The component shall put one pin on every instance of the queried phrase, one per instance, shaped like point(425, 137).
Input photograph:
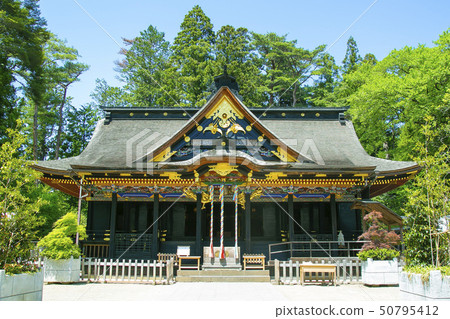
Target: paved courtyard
point(217, 292)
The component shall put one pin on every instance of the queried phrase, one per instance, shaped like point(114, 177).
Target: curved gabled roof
point(319, 140)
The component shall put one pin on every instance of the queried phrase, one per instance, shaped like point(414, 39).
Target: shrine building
point(223, 175)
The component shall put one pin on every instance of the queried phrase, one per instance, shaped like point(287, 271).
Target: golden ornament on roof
point(213, 129)
point(235, 128)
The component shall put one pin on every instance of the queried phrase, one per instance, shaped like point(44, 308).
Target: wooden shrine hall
point(223, 178)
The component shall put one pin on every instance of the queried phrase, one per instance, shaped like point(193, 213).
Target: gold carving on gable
point(223, 169)
point(224, 115)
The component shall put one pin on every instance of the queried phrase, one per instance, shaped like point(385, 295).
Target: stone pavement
point(217, 292)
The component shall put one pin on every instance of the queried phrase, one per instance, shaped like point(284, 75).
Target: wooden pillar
point(198, 226)
point(112, 226)
point(291, 216)
point(90, 216)
point(333, 216)
point(248, 210)
point(155, 239)
point(364, 224)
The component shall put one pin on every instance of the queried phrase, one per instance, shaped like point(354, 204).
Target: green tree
point(59, 244)
point(143, 67)
point(18, 218)
point(286, 68)
point(79, 127)
point(192, 60)
point(429, 203)
point(233, 49)
point(352, 58)
point(62, 70)
point(105, 95)
point(392, 98)
point(22, 35)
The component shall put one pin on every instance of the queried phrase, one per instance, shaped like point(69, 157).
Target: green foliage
point(79, 126)
point(285, 68)
point(143, 66)
point(234, 49)
point(352, 57)
point(389, 100)
point(58, 244)
point(378, 254)
point(428, 202)
point(22, 34)
point(192, 59)
point(424, 271)
point(18, 218)
point(55, 205)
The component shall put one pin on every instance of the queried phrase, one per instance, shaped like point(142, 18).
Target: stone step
point(223, 272)
point(223, 275)
point(222, 279)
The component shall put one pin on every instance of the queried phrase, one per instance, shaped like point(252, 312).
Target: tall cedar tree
point(192, 59)
point(143, 67)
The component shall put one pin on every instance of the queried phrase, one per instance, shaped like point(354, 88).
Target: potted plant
point(426, 274)
point(379, 265)
point(62, 255)
point(20, 278)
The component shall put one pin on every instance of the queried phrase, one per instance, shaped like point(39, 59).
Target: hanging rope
point(211, 196)
point(235, 199)
point(222, 249)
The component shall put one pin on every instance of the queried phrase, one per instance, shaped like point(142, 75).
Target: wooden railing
point(95, 250)
point(288, 272)
point(329, 248)
point(110, 270)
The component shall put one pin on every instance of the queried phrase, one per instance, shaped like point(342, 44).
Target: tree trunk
point(60, 124)
point(35, 129)
point(294, 98)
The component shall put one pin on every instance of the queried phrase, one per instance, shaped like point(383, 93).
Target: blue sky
point(388, 25)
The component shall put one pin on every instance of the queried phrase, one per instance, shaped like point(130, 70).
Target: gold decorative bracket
point(171, 175)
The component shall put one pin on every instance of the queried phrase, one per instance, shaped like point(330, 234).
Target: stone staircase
point(223, 275)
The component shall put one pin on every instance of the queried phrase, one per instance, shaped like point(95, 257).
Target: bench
point(164, 258)
point(316, 268)
point(189, 266)
point(259, 261)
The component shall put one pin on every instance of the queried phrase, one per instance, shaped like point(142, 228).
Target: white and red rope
point(235, 199)
point(211, 234)
point(222, 248)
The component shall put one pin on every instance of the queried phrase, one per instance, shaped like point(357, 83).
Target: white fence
point(136, 271)
point(288, 272)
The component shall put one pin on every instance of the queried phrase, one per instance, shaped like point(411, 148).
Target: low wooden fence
point(314, 248)
point(133, 271)
point(95, 250)
point(288, 272)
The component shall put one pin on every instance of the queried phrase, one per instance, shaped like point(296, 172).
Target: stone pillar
point(198, 226)
point(112, 226)
point(333, 216)
point(248, 210)
point(291, 216)
point(155, 239)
